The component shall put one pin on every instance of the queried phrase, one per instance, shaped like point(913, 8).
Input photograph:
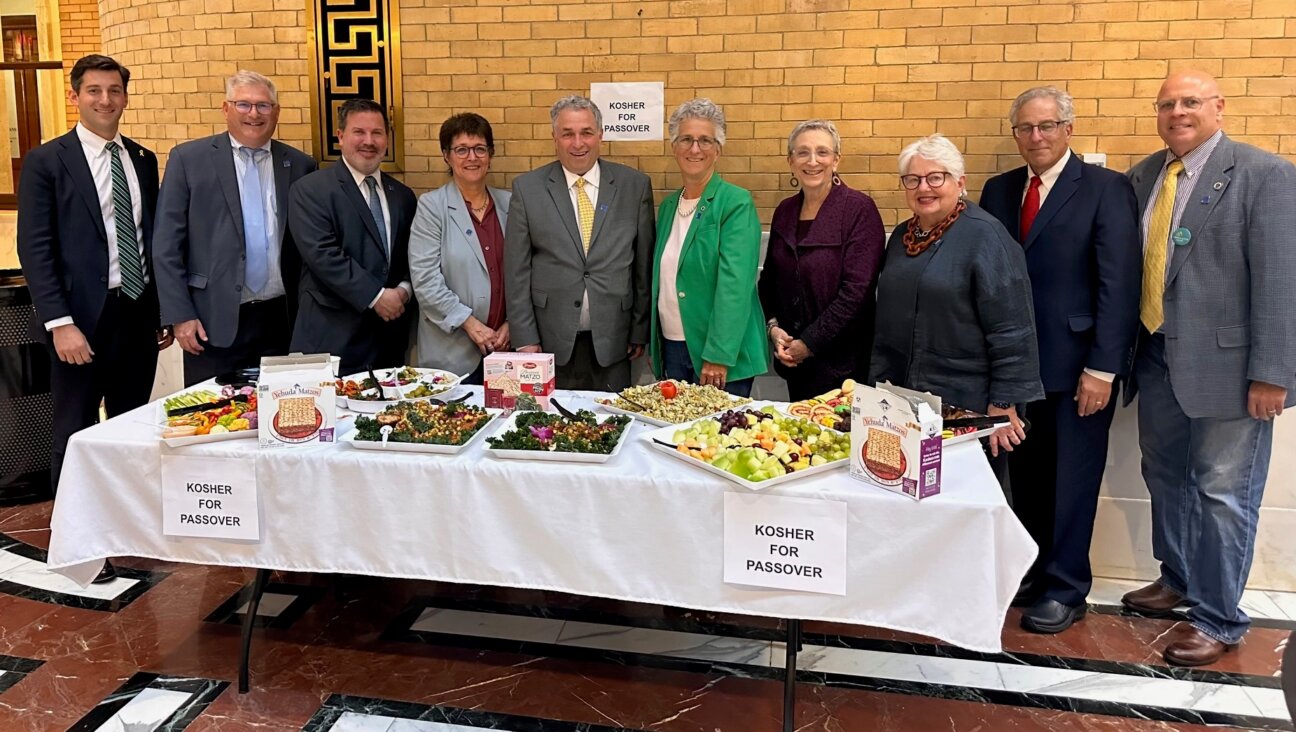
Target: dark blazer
point(1086, 268)
point(823, 290)
point(345, 265)
point(62, 241)
point(198, 244)
point(956, 320)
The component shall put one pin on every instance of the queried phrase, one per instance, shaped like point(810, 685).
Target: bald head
point(1190, 109)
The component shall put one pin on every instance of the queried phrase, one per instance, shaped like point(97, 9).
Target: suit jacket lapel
point(1063, 188)
point(460, 218)
point(223, 163)
point(74, 160)
point(1145, 177)
point(352, 193)
point(563, 205)
point(1212, 182)
point(145, 178)
point(1011, 194)
point(704, 210)
point(607, 195)
point(282, 165)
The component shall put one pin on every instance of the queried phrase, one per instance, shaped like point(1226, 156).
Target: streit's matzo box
point(507, 376)
point(295, 400)
point(896, 439)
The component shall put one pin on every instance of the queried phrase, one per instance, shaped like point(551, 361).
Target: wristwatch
point(1001, 405)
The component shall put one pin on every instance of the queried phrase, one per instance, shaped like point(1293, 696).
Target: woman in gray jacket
point(456, 255)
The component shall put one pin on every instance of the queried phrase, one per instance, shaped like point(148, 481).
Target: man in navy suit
point(351, 224)
point(1079, 226)
point(227, 272)
point(85, 214)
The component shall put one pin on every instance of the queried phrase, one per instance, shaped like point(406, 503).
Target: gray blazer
point(198, 237)
point(448, 271)
point(546, 270)
point(1229, 300)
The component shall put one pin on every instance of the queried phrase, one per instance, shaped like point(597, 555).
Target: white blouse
point(668, 311)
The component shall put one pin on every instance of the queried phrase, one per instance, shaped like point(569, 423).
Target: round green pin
point(1181, 236)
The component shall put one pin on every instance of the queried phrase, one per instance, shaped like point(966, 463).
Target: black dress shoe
point(107, 574)
point(1051, 616)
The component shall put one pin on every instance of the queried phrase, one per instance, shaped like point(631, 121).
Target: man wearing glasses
point(1078, 225)
point(227, 269)
point(1216, 360)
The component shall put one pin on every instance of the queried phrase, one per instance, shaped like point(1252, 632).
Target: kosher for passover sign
point(631, 110)
point(210, 497)
point(785, 543)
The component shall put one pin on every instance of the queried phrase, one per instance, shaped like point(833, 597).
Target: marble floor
point(157, 649)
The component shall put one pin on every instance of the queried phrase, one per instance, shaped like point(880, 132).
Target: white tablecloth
point(643, 527)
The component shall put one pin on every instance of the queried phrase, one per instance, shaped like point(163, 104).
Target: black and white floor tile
point(23, 573)
point(925, 669)
point(281, 605)
point(151, 703)
point(14, 669)
point(1266, 609)
point(357, 714)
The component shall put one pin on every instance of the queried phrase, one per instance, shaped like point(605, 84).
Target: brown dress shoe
point(1195, 648)
point(1155, 598)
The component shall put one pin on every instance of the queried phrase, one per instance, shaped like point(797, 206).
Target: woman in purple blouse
point(821, 269)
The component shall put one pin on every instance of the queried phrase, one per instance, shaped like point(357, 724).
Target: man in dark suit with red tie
point(85, 213)
point(1079, 226)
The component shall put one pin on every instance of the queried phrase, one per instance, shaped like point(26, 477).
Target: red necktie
point(1030, 207)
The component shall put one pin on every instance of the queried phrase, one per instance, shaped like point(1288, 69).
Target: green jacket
point(716, 281)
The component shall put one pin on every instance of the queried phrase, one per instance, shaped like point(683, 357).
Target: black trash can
point(26, 406)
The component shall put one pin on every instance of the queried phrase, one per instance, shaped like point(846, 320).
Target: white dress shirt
point(387, 222)
point(270, 206)
point(96, 154)
point(591, 190)
point(668, 311)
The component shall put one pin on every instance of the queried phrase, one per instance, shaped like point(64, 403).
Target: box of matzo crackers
point(295, 400)
point(508, 376)
point(896, 439)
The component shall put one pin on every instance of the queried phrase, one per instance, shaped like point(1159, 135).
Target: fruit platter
point(831, 409)
point(756, 448)
point(420, 426)
point(210, 415)
point(584, 437)
point(670, 402)
point(364, 393)
point(964, 425)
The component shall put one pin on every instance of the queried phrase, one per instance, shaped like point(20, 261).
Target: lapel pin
point(287, 163)
point(1219, 186)
point(469, 232)
point(603, 208)
point(1205, 200)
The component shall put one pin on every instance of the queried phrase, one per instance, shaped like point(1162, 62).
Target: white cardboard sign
point(209, 497)
point(785, 543)
point(631, 110)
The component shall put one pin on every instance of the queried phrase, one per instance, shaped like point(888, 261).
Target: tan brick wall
point(80, 35)
point(885, 70)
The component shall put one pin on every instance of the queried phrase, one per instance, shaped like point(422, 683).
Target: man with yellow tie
point(578, 256)
point(1216, 361)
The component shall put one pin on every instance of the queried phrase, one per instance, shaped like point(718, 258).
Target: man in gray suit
point(1216, 361)
point(578, 256)
point(227, 270)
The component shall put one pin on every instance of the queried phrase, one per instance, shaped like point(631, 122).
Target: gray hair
point(815, 124)
point(936, 148)
point(1065, 105)
point(243, 77)
point(700, 108)
point(575, 101)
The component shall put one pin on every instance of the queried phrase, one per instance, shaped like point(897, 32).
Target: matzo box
point(295, 400)
point(506, 376)
point(896, 439)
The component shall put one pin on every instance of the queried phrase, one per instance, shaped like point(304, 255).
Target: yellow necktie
point(1151, 311)
point(585, 212)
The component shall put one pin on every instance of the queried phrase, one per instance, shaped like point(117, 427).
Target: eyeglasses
point(1045, 128)
point(705, 144)
point(805, 154)
point(934, 180)
point(462, 151)
point(1166, 106)
point(245, 107)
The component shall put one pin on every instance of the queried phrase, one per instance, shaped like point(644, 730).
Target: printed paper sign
point(785, 543)
point(209, 497)
point(632, 110)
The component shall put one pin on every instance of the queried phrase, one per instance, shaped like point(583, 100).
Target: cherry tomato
point(668, 390)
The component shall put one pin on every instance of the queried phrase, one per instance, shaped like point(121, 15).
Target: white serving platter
point(984, 432)
point(394, 394)
point(200, 439)
point(390, 446)
point(554, 455)
point(735, 403)
point(663, 440)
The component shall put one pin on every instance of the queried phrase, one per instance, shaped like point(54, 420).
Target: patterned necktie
point(128, 255)
point(1151, 310)
point(256, 270)
point(375, 209)
point(585, 212)
point(1030, 207)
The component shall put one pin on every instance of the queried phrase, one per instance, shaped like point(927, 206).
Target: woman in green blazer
point(707, 325)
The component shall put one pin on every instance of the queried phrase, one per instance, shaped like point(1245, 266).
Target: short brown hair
point(466, 123)
point(352, 106)
point(97, 62)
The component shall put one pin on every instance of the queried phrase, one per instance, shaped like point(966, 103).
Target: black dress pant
point(1055, 475)
point(120, 373)
point(582, 371)
point(263, 330)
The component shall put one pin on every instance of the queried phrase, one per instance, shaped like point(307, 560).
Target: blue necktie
point(375, 209)
point(256, 271)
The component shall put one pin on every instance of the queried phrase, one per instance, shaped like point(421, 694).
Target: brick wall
point(885, 70)
point(80, 35)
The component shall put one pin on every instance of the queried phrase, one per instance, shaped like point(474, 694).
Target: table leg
point(249, 621)
point(789, 675)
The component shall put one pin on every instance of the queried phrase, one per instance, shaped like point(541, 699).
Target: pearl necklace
point(685, 214)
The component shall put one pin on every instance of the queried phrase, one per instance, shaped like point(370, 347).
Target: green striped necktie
point(128, 255)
